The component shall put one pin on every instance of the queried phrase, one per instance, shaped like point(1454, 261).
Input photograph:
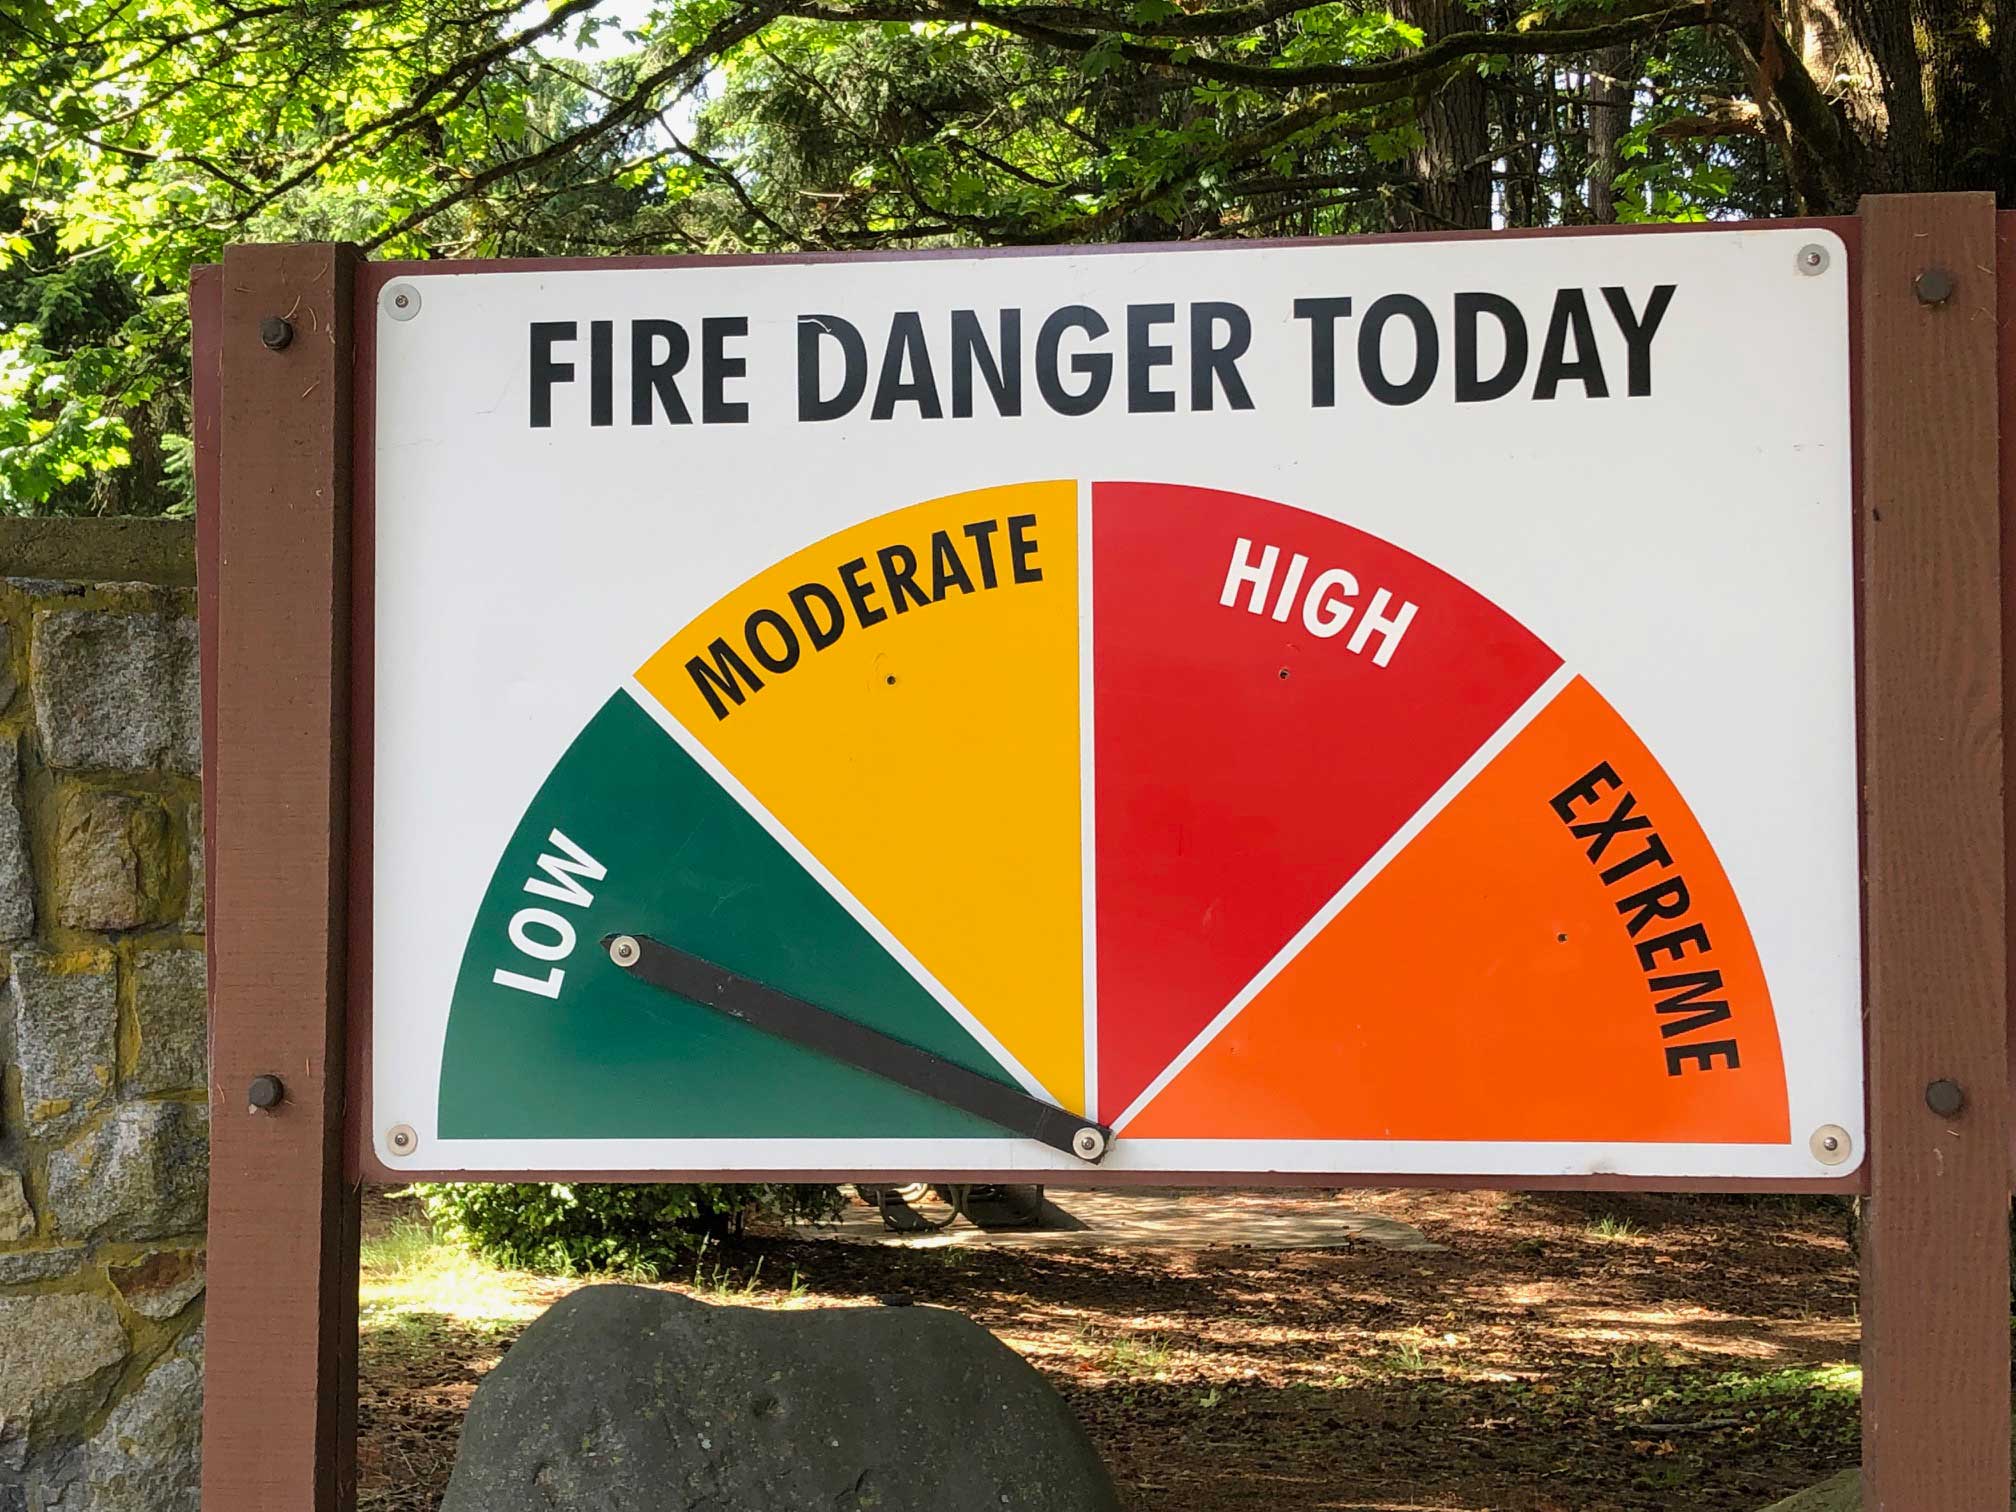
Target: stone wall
point(104, 1118)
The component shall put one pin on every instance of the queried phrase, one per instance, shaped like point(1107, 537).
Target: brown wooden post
point(1935, 1245)
point(2005, 320)
point(279, 1418)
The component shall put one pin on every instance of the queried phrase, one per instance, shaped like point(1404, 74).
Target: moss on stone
point(101, 551)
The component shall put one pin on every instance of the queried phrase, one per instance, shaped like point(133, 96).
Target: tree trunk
point(1452, 166)
point(1611, 88)
point(1896, 96)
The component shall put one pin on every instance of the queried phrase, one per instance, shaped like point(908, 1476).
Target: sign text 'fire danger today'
point(1077, 358)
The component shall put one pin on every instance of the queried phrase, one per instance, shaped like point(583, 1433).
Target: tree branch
point(465, 73)
point(1229, 22)
point(634, 106)
point(1637, 22)
point(1719, 118)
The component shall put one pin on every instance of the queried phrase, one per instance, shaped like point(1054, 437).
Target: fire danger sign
point(1306, 709)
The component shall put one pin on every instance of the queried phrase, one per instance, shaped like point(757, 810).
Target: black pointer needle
point(816, 1028)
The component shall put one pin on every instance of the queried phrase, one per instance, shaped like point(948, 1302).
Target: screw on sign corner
point(402, 301)
point(1831, 1145)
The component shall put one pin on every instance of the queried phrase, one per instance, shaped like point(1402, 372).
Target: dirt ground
point(1559, 1354)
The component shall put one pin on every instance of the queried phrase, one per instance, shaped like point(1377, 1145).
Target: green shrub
point(637, 1229)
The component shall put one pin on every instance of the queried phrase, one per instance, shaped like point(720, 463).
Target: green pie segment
point(549, 1039)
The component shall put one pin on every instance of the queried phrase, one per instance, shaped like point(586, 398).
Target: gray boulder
point(1841, 1493)
point(625, 1399)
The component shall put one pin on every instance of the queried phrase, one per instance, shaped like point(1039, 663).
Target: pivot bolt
point(624, 951)
point(1088, 1143)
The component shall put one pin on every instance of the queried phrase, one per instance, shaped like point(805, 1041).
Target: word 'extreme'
point(1651, 890)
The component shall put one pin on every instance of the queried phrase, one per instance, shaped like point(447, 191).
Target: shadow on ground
point(1559, 1355)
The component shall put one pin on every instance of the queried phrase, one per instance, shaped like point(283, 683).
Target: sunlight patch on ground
point(407, 1273)
point(408, 1277)
point(1163, 1220)
point(1678, 1357)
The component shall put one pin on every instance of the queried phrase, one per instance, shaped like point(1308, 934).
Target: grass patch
point(1815, 1404)
point(1796, 1391)
point(1405, 1358)
point(405, 1245)
point(719, 1282)
point(1135, 1355)
point(409, 1279)
point(1742, 1386)
point(1610, 1227)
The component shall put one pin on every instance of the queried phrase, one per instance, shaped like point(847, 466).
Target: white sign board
point(1350, 708)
